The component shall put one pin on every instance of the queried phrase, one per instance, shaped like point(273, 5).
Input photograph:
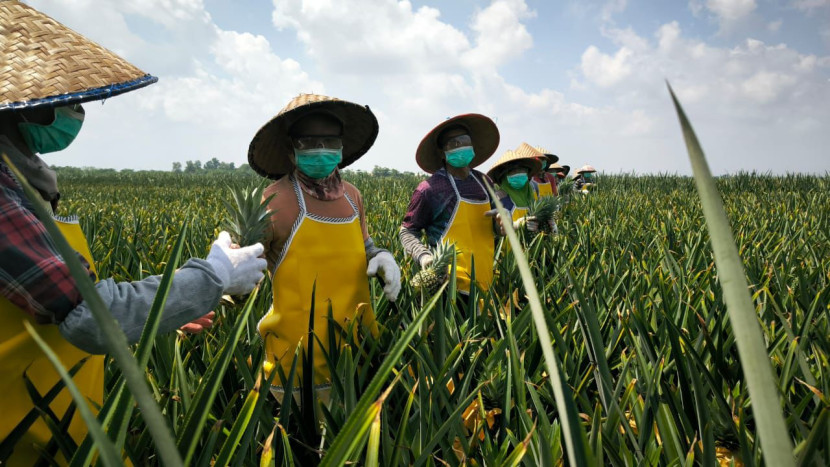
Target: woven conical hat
point(270, 150)
point(44, 63)
point(585, 169)
point(482, 130)
point(523, 156)
point(557, 167)
point(552, 158)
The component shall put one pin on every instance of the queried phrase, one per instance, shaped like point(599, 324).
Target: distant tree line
point(212, 165)
point(215, 166)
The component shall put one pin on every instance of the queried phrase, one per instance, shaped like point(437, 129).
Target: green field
point(639, 329)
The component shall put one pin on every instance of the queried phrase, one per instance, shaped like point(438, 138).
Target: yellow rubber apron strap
point(326, 257)
point(19, 353)
point(472, 232)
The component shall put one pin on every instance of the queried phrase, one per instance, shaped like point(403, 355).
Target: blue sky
point(584, 79)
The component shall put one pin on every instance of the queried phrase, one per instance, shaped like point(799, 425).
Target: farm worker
point(561, 171)
point(584, 178)
point(546, 181)
point(513, 172)
point(48, 71)
point(317, 245)
point(453, 205)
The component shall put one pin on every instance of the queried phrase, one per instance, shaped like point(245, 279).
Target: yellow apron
point(545, 189)
point(472, 232)
point(518, 212)
point(19, 353)
point(331, 252)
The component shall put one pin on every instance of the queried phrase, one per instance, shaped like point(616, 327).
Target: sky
point(586, 79)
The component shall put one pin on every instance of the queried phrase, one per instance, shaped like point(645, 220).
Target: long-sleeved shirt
point(35, 278)
point(432, 206)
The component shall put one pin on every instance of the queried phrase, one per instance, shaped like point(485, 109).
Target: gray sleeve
point(411, 244)
point(371, 249)
point(195, 291)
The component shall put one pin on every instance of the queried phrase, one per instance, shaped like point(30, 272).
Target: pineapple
point(435, 274)
point(248, 216)
point(543, 209)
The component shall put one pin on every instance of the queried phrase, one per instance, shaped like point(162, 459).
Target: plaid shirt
point(33, 275)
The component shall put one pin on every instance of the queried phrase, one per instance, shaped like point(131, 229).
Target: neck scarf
point(37, 173)
point(521, 197)
point(325, 189)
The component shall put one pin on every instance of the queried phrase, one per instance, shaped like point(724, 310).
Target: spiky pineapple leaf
point(247, 217)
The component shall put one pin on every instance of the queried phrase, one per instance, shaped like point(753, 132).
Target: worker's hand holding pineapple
point(434, 268)
point(239, 269)
point(383, 264)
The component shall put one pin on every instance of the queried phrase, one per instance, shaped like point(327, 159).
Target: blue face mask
point(56, 136)
point(517, 181)
point(319, 162)
point(460, 157)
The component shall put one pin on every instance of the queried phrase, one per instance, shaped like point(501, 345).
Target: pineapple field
point(646, 368)
point(667, 320)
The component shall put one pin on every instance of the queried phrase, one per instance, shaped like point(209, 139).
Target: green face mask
point(56, 136)
point(460, 157)
point(517, 181)
point(318, 162)
point(588, 176)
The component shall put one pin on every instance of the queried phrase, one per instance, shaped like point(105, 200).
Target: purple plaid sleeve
point(33, 275)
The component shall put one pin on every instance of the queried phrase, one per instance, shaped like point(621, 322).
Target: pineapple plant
point(544, 209)
point(247, 217)
point(566, 187)
point(431, 277)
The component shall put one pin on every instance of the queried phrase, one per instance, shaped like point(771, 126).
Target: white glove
point(241, 268)
point(528, 221)
point(389, 271)
point(425, 260)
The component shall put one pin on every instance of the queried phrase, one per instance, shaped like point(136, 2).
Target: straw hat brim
point(585, 169)
point(482, 130)
point(511, 160)
point(552, 158)
point(46, 64)
point(563, 168)
point(269, 153)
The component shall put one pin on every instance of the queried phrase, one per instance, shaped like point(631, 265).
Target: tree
point(177, 167)
point(193, 166)
point(212, 164)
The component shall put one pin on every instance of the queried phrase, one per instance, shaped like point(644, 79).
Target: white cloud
point(611, 8)
point(775, 26)
point(604, 69)
point(764, 87)
point(393, 39)
point(730, 93)
point(500, 34)
point(667, 36)
point(731, 10)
